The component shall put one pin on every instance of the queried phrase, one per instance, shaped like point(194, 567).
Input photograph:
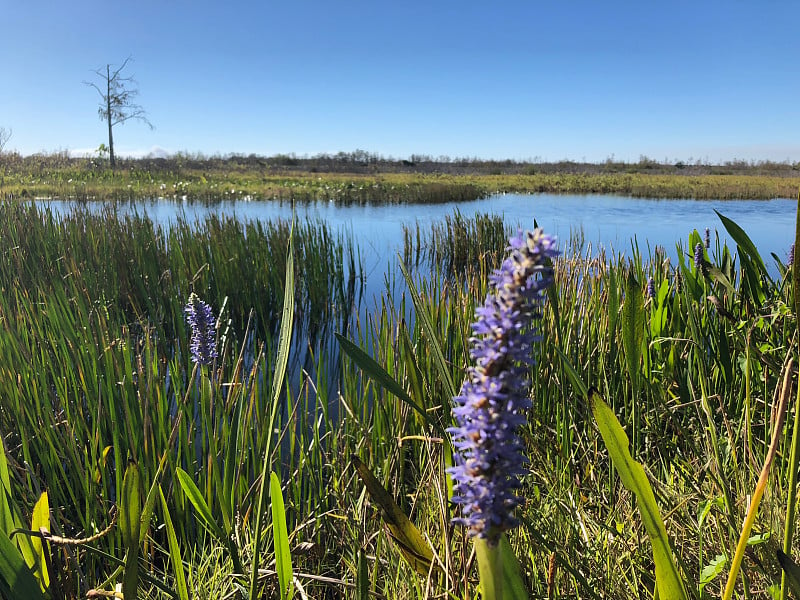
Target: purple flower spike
point(699, 259)
point(203, 346)
point(651, 288)
point(790, 258)
point(489, 454)
point(707, 238)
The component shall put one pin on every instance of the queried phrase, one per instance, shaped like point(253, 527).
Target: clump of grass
point(456, 244)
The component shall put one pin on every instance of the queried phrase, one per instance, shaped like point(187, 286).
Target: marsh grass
point(210, 181)
point(94, 367)
point(456, 244)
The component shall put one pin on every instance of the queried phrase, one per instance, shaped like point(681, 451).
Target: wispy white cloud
point(152, 152)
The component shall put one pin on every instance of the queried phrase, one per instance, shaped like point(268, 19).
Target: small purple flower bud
point(699, 260)
point(203, 345)
point(790, 259)
point(651, 288)
point(489, 453)
point(707, 239)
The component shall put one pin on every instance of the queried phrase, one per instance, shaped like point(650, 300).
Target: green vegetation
point(362, 180)
point(95, 369)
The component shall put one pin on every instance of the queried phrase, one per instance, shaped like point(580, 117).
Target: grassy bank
point(90, 376)
point(351, 183)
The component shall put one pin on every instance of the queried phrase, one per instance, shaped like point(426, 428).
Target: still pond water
point(602, 220)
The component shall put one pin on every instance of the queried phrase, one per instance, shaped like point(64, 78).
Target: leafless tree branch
point(117, 106)
point(5, 135)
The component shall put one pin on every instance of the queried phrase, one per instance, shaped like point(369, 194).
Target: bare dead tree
point(5, 135)
point(117, 105)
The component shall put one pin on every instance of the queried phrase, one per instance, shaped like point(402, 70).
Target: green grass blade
point(794, 453)
point(6, 519)
point(130, 522)
point(668, 581)
point(280, 536)
point(377, 373)
point(572, 374)
point(795, 264)
point(427, 326)
point(284, 344)
point(362, 577)
point(16, 575)
point(174, 551)
point(195, 496)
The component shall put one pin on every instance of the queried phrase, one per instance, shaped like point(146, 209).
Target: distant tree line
point(363, 162)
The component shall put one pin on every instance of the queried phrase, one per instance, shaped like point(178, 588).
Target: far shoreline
point(361, 178)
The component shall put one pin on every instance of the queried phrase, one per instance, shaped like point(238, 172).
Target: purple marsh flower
point(489, 454)
point(699, 259)
point(790, 258)
point(707, 238)
point(203, 346)
point(651, 288)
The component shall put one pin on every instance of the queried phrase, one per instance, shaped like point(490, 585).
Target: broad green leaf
point(490, 570)
point(751, 281)
point(514, 586)
point(378, 374)
point(174, 551)
point(633, 320)
point(658, 315)
point(9, 513)
point(15, 574)
point(668, 581)
point(130, 505)
point(196, 498)
point(41, 519)
point(705, 509)
point(130, 515)
point(792, 572)
point(712, 570)
point(404, 533)
point(280, 536)
point(753, 267)
point(744, 243)
point(6, 519)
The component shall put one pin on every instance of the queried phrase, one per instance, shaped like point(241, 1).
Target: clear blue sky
point(583, 80)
